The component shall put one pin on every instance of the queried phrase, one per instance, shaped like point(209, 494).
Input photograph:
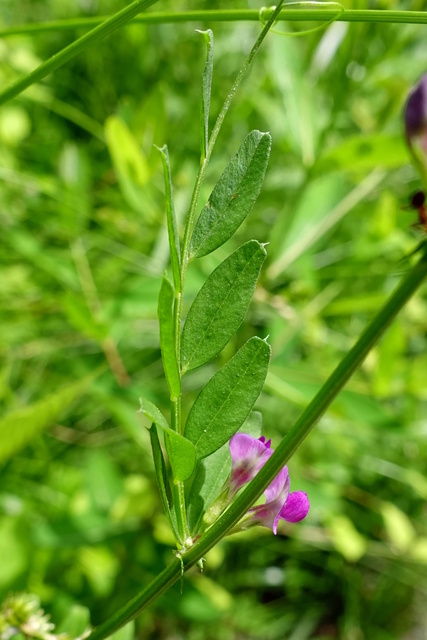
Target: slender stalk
point(58, 59)
point(228, 15)
point(308, 419)
point(214, 135)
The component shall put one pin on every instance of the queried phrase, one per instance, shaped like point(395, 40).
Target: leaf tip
point(163, 149)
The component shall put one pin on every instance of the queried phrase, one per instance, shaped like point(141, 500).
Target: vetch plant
point(248, 456)
point(215, 472)
point(194, 459)
point(216, 465)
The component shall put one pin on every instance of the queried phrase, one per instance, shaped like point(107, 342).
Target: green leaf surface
point(171, 219)
point(221, 305)
point(233, 195)
point(225, 402)
point(161, 476)
point(212, 472)
point(181, 452)
point(206, 92)
point(21, 426)
point(167, 337)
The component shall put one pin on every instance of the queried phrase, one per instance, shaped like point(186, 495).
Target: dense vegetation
point(84, 248)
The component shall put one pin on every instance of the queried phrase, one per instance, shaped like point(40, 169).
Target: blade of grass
point(58, 59)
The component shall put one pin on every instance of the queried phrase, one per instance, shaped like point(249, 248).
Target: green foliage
point(21, 426)
point(206, 93)
point(62, 534)
point(225, 402)
point(233, 195)
point(171, 220)
point(181, 451)
point(221, 305)
point(167, 337)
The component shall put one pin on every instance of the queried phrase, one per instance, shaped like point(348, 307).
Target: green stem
point(180, 505)
point(214, 136)
point(308, 419)
point(180, 510)
point(57, 60)
point(229, 15)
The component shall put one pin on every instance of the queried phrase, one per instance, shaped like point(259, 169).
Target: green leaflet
point(161, 476)
point(233, 195)
point(220, 305)
point(167, 338)
point(171, 219)
point(225, 402)
point(181, 452)
point(206, 92)
point(212, 473)
point(20, 426)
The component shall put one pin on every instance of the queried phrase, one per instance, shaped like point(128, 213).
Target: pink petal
point(244, 447)
point(296, 507)
point(248, 456)
point(279, 487)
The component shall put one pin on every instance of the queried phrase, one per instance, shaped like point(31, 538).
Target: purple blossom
point(416, 112)
point(248, 456)
point(416, 126)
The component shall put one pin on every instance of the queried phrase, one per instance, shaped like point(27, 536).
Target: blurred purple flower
point(416, 112)
point(248, 456)
point(416, 125)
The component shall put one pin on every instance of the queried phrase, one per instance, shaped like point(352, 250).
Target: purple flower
point(280, 504)
point(416, 112)
point(416, 125)
point(248, 456)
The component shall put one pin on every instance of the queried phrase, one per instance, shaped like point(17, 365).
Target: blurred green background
point(83, 249)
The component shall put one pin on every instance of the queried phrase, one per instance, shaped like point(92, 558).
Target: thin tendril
point(296, 34)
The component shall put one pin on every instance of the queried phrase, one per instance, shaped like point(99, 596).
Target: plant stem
point(185, 258)
point(58, 59)
point(229, 15)
point(308, 419)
